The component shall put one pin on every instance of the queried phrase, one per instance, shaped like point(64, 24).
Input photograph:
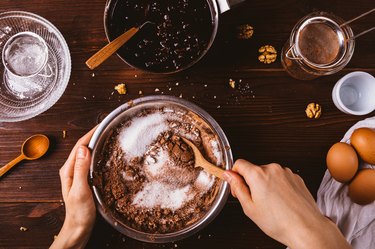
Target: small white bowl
point(355, 93)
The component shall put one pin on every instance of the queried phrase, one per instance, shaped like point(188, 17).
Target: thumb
point(238, 187)
point(82, 165)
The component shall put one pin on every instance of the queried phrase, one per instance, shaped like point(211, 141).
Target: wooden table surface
point(264, 118)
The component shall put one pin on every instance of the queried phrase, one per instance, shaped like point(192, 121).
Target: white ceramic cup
point(355, 93)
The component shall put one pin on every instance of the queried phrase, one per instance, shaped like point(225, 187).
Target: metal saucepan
point(120, 15)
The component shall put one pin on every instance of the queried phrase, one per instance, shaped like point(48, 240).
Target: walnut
point(232, 83)
point(121, 88)
point(245, 31)
point(313, 110)
point(268, 55)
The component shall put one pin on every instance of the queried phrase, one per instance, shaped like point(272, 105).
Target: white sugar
point(216, 150)
point(155, 165)
point(204, 181)
point(126, 176)
point(135, 139)
point(156, 194)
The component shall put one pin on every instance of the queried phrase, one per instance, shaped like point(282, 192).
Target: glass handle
point(290, 57)
point(49, 74)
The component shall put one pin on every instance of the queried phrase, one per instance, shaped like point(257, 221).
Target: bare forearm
point(323, 235)
point(71, 238)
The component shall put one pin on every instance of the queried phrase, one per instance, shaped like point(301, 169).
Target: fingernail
point(227, 177)
point(81, 152)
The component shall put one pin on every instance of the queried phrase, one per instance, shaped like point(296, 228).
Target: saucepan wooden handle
point(110, 48)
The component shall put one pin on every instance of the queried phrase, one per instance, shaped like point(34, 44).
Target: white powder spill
point(204, 181)
point(126, 176)
point(216, 150)
point(155, 165)
point(136, 138)
point(158, 194)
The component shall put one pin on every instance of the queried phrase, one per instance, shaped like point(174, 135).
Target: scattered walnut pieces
point(121, 88)
point(23, 229)
point(268, 55)
point(245, 31)
point(232, 83)
point(313, 110)
point(64, 134)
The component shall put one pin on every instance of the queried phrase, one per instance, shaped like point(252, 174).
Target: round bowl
point(22, 98)
point(119, 17)
point(104, 131)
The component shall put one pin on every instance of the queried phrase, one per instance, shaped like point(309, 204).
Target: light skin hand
point(79, 203)
point(279, 202)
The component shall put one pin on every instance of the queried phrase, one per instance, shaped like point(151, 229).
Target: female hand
point(279, 202)
point(79, 203)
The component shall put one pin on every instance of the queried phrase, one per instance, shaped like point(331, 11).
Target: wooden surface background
point(264, 119)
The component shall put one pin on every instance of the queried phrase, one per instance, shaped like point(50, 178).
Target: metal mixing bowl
point(105, 130)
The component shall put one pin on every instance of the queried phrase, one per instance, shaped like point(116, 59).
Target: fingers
point(81, 166)
point(239, 189)
point(66, 179)
point(82, 141)
point(247, 170)
point(66, 171)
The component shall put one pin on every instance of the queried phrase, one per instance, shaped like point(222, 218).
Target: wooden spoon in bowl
point(33, 148)
point(200, 161)
point(104, 53)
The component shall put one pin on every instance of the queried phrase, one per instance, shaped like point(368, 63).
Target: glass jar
point(318, 45)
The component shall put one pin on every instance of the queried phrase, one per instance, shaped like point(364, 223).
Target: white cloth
point(357, 223)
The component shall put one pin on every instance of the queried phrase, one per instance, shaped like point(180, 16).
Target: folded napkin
point(357, 223)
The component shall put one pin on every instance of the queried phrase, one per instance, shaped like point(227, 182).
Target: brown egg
point(362, 188)
point(342, 162)
point(363, 140)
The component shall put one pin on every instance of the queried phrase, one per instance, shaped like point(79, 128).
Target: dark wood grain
point(264, 119)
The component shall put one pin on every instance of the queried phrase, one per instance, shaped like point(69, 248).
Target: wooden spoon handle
point(212, 169)
point(110, 48)
point(11, 164)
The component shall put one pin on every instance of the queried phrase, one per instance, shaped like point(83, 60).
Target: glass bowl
point(28, 88)
point(105, 131)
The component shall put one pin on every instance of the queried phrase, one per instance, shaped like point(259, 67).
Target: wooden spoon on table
point(200, 161)
point(33, 148)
